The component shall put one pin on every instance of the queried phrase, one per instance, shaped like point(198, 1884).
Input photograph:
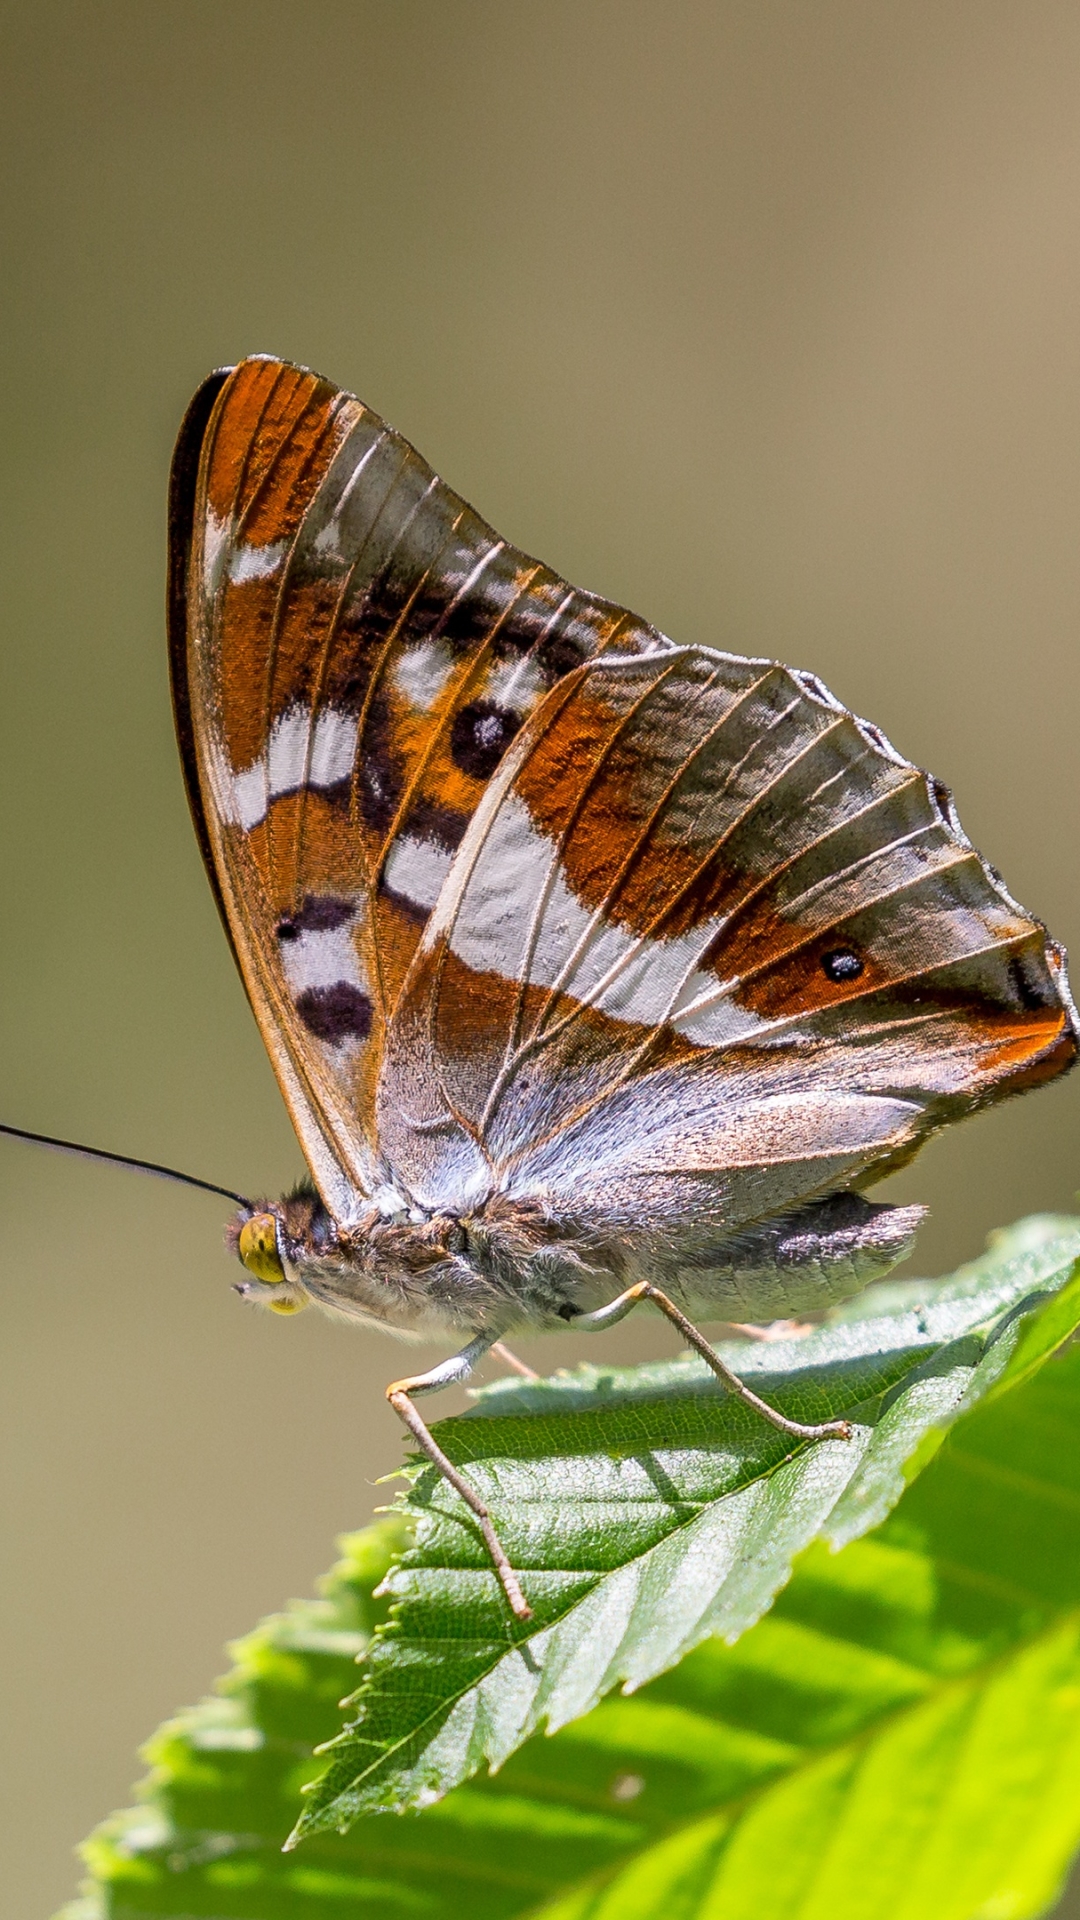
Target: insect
point(593, 968)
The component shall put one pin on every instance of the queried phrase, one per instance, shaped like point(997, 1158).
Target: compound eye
point(258, 1249)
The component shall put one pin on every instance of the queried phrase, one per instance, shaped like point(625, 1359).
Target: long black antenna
point(123, 1160)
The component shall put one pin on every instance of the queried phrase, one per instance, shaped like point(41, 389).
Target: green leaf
point(647, 1510)
point(899, 1736)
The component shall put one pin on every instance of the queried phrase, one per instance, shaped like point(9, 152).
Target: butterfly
point(592, 967)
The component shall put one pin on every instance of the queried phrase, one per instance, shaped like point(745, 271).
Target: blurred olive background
point(762, 318)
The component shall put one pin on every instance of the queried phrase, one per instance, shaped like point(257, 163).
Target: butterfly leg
point(450, 1374)
point(644, 1290)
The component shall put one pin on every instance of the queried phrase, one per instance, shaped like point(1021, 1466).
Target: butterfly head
point(267, 1239)
point(258, 1245)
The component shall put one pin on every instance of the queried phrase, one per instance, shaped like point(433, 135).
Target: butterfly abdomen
point(803, 1262)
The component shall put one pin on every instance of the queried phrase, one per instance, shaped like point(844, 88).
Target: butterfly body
point(519, 1266)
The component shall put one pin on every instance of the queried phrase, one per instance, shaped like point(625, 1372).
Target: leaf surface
point(646, 1510)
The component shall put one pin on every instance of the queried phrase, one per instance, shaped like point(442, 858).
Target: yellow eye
point(258, 1249)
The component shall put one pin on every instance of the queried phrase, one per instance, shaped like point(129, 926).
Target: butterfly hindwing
point(708, 935)
point(353, 649)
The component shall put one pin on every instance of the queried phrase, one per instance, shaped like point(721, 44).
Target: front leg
point(644, 1290)
point(450, 1374)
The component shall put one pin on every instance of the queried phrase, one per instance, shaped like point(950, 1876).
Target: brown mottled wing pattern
point(353, 651)
point(708, 935)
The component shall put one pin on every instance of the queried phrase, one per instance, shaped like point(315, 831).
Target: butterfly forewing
point(354, 650)
point(707, 920)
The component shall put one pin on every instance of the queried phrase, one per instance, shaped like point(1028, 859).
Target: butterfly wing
point(709, 939)
point(353, 649)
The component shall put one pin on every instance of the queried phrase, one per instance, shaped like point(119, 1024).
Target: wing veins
point(515, 1049)
point(771, 1029)
point(324, 664)
point(601, 987)
point(964, 857)
point(454, 691)
point(585, 940)
point(567, 690)
point(377, 672)
point(702, 867)
point(767, 879)
point(822, 887)
point(267, 983)
point(515, 1055)
point(347, 585)
point(271, 465)
point(245, 464)
point(339, 407)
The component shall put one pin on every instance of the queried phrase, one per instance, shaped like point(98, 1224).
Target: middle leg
point(644, 1290)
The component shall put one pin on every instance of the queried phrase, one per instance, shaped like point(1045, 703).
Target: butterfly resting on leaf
point(592, 967)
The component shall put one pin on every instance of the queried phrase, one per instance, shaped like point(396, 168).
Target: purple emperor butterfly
point(593, 968)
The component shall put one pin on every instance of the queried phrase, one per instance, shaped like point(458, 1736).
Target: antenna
point(123, 1160)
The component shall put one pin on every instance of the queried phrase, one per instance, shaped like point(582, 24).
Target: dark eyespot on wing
point(338, 1012)
point(480, 736)
point(841, 964)
point(318, 913)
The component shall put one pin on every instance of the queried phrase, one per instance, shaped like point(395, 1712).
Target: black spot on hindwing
point(338, 1012)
